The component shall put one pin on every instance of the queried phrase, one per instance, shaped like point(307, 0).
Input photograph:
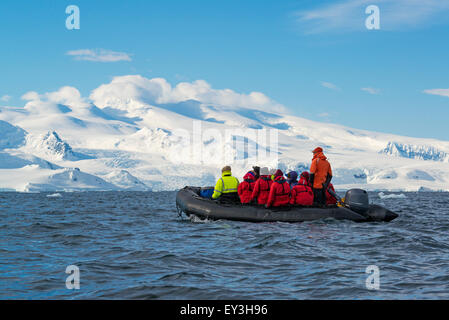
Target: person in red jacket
point(262, 187)
point(302, 193)
point(279, 192)
point(304, 178)
point(330, 199)
point(246, 187)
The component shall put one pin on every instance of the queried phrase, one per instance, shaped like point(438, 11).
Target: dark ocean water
point(133, 245)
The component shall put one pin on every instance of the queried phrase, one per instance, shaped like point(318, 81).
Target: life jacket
point(279, 193)
point(320, 168)
point(245, 189)
point(330, 200)
point(302, 194)
point(304, 181)
point(262, 189)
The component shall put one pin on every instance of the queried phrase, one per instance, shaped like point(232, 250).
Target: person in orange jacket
point(279, 192)
point(320, 176)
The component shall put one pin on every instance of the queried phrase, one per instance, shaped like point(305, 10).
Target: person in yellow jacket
point(226, 186)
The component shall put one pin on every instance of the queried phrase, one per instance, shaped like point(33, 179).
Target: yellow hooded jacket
point(226, 184)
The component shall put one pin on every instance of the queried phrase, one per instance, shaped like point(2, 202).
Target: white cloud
point(438, 92)
point(68, 96)
point(5, 98)
point(48, 102)
point(349, 15)
point(126, 89)
point(99, 55)
point(30, 95)
point(329, 85)
point(371, 90)
point(133, 92)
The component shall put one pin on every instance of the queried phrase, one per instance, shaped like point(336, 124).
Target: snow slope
point(140, 134)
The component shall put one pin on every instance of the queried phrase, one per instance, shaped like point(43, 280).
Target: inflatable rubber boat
point(357, 208)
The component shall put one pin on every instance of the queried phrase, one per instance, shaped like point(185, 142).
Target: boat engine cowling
point(357, 200)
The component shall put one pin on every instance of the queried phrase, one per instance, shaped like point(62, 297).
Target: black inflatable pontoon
point(188, 200)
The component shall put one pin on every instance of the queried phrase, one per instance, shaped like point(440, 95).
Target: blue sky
point(314, 57)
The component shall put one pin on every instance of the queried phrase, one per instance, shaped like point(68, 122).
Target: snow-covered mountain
point(11, 136)
point(415, 152)
point(50, 145)
point(136, 133)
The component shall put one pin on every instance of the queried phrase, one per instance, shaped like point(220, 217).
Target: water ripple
point(133, 245)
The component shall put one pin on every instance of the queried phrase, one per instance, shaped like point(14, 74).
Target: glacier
point(138, 134)
point(415, 152)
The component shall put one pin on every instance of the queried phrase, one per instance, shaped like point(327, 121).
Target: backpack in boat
point(207, 193)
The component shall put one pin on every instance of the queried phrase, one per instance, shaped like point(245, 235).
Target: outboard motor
point(357, 200)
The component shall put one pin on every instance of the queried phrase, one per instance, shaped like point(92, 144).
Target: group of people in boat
point(271, 189)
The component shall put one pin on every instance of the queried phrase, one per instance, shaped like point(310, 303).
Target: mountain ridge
point(144, 134)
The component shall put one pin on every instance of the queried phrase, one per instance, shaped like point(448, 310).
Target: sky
point(316, 58)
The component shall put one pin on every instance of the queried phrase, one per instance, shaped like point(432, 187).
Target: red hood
point(319, 155)
point(279, 173)
point(279, 179)
point(304, 175)
point(249, 176)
